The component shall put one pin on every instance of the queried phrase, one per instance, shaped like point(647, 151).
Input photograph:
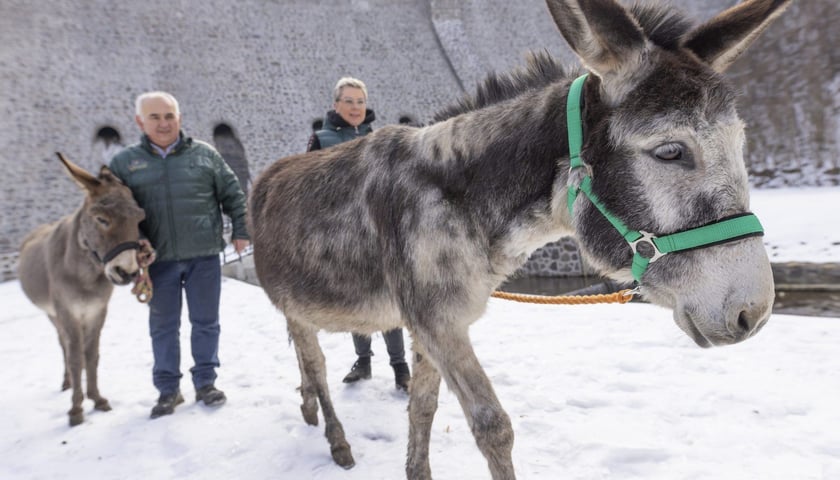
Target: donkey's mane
point(541, 69)
point(663, 25)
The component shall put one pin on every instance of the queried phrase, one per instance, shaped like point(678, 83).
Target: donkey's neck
point(508, 164)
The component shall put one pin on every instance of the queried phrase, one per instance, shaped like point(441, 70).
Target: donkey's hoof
point(102, 405)
point(65, 385)
point(76, 416)
point(343, 456)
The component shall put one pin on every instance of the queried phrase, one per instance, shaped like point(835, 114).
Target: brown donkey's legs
point(92, 366)
point(314, 375)
point(74, 359)
point(65, 382)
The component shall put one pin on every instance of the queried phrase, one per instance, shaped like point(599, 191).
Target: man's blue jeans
point(201, 280)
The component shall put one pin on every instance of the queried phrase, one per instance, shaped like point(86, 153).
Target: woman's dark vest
point(337, 131)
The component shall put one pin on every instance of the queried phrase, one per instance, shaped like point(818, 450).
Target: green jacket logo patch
point(137, 164)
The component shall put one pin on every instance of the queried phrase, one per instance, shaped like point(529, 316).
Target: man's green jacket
point(182, 195)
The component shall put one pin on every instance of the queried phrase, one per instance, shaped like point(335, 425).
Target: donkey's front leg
point(74, 359)
point(92, 366)
point(422, 405)
point(314, 374)
point(65, 382)
point(490, 425)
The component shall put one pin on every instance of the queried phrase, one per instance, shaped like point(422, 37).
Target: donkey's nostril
point(748, 322)
point(744, 325)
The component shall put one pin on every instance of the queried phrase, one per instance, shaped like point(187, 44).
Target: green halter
point(653, 247)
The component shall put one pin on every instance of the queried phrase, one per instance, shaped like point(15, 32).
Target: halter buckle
point(645, 252)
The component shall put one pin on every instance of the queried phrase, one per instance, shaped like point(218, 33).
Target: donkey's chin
point(687, 325)
point(730, 331)
point(682, 317)
point(120, 277)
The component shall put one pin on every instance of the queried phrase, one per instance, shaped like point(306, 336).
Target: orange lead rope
point(143, 289)
point(622, 296)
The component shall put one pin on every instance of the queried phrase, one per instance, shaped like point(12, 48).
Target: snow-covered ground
point(595, 392)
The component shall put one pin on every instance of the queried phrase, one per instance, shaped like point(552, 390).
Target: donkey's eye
point(669, 152)
point(103, 221)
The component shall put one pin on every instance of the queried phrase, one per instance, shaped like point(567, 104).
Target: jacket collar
point(335, 122)
point(183, 142)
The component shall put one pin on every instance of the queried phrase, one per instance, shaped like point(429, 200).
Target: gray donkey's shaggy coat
point(415, 227)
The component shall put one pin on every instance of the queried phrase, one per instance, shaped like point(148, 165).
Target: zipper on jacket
point(173, 237)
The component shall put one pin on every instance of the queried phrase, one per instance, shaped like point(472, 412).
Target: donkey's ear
point(79, 174)
point(604, 35)
point(722, 39)
point(105, 174)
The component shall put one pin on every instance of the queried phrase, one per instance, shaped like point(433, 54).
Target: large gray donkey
point(415, 227)
point(69, 268)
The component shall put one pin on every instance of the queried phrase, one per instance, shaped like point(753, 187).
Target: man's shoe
point(166, 404)
point(210, 395)
point(401, 376)
point(359, 371)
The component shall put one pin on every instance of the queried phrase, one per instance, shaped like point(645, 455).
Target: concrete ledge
point(814, 276)
point(242, 269)
point(802, 288)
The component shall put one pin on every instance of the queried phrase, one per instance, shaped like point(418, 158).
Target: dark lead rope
point(114, 251)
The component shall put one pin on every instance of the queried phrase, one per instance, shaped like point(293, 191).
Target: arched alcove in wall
point(108, 142)
point(231, 149)
point(109, 135)
point(408, 119)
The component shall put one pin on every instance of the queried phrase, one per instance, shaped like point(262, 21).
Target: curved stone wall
point(265, 69)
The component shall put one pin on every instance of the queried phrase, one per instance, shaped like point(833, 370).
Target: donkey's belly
point(366, 316)
point(34, 280)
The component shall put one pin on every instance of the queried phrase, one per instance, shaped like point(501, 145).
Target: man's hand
point(239, 244)
point(145, 254)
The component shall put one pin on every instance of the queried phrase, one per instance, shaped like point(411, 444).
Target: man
point(183, 185)
point(351, 119)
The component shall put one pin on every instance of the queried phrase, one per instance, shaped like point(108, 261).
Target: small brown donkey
point(68, 269)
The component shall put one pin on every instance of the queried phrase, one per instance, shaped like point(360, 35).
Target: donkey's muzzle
point(120, 276)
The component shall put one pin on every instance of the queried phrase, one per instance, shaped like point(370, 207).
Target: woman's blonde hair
point(348, 82)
